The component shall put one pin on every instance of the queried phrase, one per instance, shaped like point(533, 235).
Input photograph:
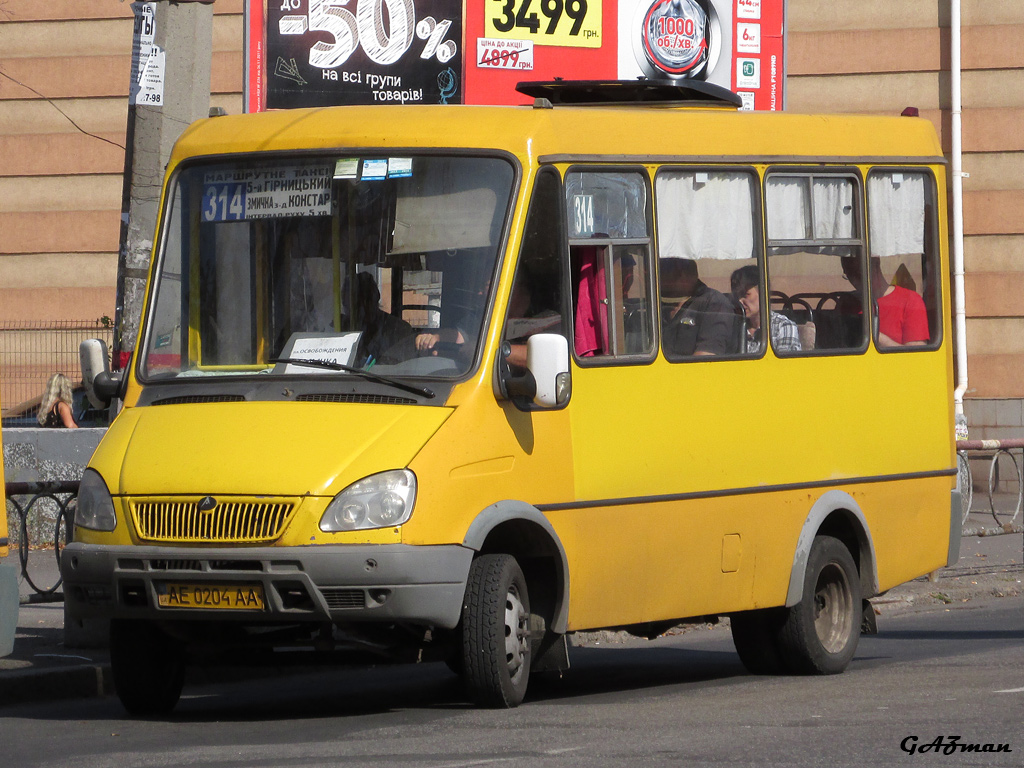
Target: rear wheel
point(495, 632)
point(820, 633)
point(147, 665)
point(755, 635)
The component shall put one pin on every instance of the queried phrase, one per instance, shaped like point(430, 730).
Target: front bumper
point(421, 585)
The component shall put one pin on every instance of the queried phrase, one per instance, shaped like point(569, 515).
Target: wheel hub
point(833, 608)
point(516, 632)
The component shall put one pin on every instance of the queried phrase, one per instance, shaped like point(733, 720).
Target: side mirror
point(547, 359)
point(101, 386)
point(545, 382)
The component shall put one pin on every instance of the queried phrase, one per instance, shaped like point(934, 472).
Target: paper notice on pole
point(149, 61)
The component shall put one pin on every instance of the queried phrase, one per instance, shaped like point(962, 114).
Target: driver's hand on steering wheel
point(425, 342)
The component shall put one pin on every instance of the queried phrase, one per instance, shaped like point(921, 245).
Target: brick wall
point(883, 55)
point(60, 189)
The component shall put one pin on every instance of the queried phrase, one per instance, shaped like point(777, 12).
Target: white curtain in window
point(704, 215)
point(789, 211)
point(833, 209)
point(896, 213)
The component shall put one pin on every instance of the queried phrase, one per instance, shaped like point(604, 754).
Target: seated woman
point(55, 408)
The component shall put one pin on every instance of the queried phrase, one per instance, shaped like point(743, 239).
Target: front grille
point(175, 565)
point(338, 599)
point(227, 523)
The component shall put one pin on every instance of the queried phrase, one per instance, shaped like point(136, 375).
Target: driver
point(384, 335)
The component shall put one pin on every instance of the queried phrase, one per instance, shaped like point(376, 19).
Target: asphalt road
point(679, 700)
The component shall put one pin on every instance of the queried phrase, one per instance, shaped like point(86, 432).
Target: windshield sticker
point(267, 193)
point(375, 169)
point(327, 348)
point(347, 168)
point(582, 215)
point(399, 167)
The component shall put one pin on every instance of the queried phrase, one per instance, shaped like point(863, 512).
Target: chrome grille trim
point(230, 522)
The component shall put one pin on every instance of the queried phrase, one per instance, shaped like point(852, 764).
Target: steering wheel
point(447, 349)
point(458, 354)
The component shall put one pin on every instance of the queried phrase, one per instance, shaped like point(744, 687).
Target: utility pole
point(170, 89)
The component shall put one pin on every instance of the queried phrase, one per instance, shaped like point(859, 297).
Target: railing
point(45, 520)
point(1005, 483)
point(30, 352)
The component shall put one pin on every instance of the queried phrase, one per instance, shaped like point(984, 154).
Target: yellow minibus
point(452, 383)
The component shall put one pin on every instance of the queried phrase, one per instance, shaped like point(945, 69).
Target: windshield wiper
point(422, 391)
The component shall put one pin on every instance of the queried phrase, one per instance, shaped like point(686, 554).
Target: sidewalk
point(42, 668)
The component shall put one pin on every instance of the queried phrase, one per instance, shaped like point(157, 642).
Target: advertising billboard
point(303, 53)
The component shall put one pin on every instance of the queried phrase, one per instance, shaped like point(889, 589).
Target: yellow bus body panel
point(601, 134)
point(305, 451)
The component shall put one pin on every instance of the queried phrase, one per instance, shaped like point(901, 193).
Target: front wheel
point(147, 665)
point(495, 632)
point(820, 632)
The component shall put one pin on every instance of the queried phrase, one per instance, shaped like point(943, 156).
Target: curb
point(32, 685)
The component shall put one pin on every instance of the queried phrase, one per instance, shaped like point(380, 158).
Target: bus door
point(657, 427)
point(612, 335)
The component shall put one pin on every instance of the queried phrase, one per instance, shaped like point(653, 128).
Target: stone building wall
point(879, 56)
point(62, 138)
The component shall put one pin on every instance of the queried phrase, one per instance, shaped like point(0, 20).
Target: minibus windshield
point(378, 263)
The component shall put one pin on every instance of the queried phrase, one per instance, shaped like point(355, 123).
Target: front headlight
point(377, 501)
point(95, 506)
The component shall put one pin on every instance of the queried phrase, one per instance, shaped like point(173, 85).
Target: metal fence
point(30, 352)
point(992, 481)
point(40, 517)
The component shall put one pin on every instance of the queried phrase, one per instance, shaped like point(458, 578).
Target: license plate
point(248, 597)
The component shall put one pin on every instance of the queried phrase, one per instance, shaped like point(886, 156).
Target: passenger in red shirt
point(902, 317)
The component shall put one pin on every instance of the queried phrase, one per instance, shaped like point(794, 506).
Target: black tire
point(820, 633)
point(147, 665)
point(755, 635)
point(495, 632)
point(453, 659)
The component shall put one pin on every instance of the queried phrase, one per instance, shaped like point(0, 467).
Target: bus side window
point(708, 244)
point(816, 256)
point(903, 262)
point(612, 288)
point(536, 303)
point(610, 266)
